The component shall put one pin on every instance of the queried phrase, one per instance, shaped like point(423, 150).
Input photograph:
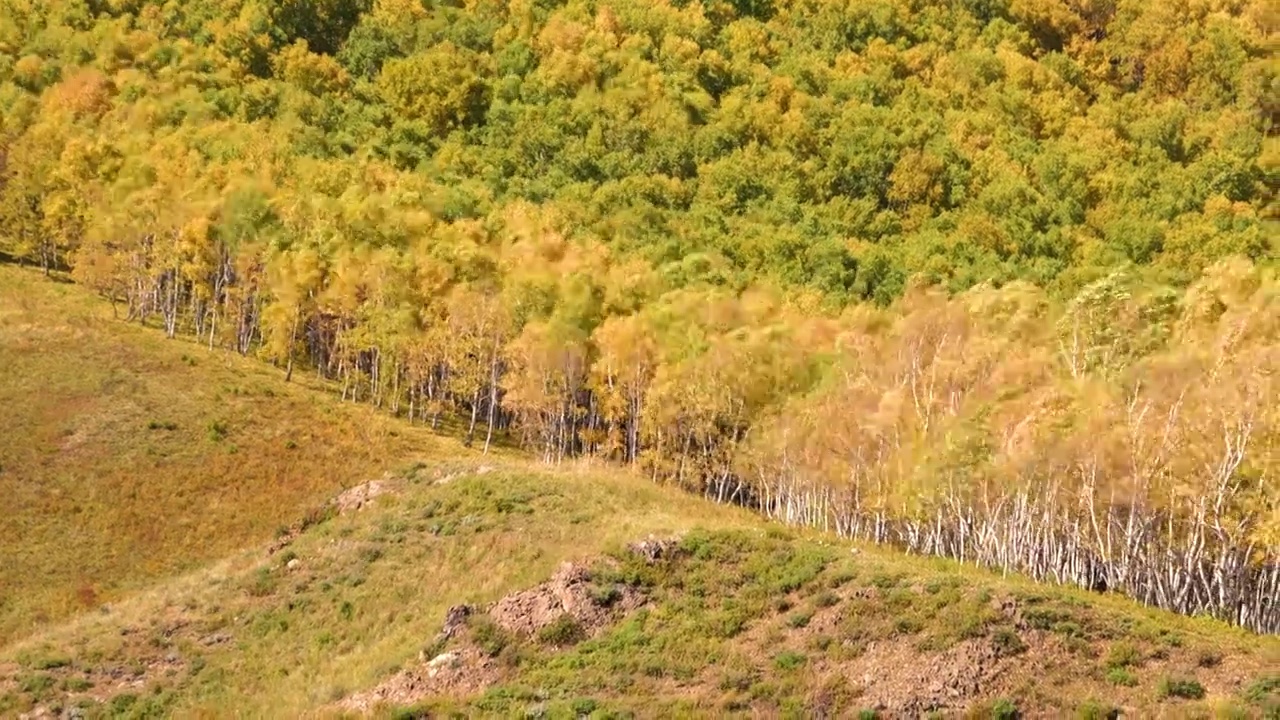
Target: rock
point(654, 549)
point(465, 671)
point(282, 542)
point(357, 497)
point(217, 638)
point(441, 662)
point(454, 619)
point(1008, 607)
point(293, 564)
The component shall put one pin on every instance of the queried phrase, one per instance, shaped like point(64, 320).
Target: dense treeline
point(987, 279)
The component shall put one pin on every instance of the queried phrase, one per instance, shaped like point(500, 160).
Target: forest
point(989, 279)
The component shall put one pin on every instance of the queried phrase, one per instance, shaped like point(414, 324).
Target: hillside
point(125, 457)
point(206, 610)
point(738, 617)
point(990, 281)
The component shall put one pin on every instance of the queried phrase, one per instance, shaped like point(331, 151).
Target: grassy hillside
point(738, 617)
point(111, 479)
point(149, 482)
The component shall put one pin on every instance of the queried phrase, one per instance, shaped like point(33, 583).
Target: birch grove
point(1122, 440)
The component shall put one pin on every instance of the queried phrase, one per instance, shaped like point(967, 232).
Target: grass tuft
point(562, 632)
point(1184, 688)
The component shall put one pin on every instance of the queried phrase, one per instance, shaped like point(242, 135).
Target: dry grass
point(126, 457)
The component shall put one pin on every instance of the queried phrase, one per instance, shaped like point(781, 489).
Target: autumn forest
point(988, 279)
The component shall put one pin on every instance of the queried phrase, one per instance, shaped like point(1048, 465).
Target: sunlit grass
point(126, 457)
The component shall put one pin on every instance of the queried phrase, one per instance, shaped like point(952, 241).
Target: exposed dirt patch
point(571, 592)
point(8, 674)
point(355, 498)
point(460, 672)
point(898, 679)
point(892, 675)
point(348, 501)
point(464, 669)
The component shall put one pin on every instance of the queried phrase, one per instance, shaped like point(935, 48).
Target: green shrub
point(1096, 710)
point(1041, 618)
point(970, 625)
point(410, 713)
point(1264, 693)
point(1263, 689)
point(1208, 658)
point(729, 622)
point(1071, 630)
point(1004, 709)
point(1185, 688)
point(120, 704)
point(76, 684)
point(217, 430)
point(1121, 677)
point(788, 660)
point(738, 679)
point(1123, 655)
point(800, 619)
point(49, 662)
point(605, 595)
point(1007, 642)
point(841, 577)
point(36, 684)
point(262, 583)
point(908, 625)
point(826, 599)
point(884, 581)
point(491, 638)
point(562, 632)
